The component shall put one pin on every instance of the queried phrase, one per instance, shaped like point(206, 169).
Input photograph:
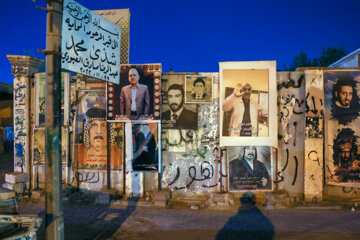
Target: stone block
point(15, 177)
point(6, 194)
point(161, 196)
point(160, 203)
point(17, 187)
point(35, 195)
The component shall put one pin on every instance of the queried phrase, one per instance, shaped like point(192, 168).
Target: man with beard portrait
point(346, 159)
point(182, 117)
point(345, 101)
point(246, 172)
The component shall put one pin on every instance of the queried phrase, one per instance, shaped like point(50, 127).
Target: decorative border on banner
point(155, 69)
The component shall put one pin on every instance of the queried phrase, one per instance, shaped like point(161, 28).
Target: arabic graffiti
point(291, 103)
point(197, 168)
point(90, 43)
point(20, 123)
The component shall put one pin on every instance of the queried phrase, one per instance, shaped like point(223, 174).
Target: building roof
point(350, 55)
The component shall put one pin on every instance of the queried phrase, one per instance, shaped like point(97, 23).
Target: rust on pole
point(53, 181)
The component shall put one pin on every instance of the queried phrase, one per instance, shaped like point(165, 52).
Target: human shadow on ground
point(85, 221)
point(248, 223)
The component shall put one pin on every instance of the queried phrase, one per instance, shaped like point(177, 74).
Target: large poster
point(342, 114)
point(138, 96)
point(248, 103)
point(91, 138)
point(249, 168)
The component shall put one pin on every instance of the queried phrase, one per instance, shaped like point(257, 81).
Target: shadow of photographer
point(248, 223)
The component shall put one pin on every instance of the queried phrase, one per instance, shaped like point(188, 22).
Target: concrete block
point(15, 177)
point(35, 195)
point(6, 194)
point(160, 203)
point(161, 196)
point(17, 187)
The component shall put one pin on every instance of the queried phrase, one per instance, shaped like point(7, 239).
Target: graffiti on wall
point(292, 107)
point(313, 179)
point(20, 123)
point(190, 157)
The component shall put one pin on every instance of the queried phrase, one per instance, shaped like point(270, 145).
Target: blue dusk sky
point(194, 35)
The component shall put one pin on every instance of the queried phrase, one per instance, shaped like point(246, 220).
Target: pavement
point(87, 220)
point(90, 221)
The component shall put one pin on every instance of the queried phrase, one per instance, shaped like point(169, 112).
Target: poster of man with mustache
point(91, 136)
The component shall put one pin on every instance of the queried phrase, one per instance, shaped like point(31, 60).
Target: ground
point(86, 220)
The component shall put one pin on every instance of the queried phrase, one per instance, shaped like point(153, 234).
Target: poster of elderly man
point(138, 96)
point(145, 150)
point(248, 109)
point(249, 168)
point(91, 141)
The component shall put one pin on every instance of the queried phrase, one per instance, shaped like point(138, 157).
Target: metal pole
point(53, 189)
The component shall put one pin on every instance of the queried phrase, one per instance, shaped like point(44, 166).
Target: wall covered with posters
point(180, 151)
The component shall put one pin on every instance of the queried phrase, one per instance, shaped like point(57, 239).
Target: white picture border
point(271, 140)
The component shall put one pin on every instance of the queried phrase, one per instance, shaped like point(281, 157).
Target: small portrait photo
point(145, 147)
point(198, 89)
point(138, 96)
point(249, 168)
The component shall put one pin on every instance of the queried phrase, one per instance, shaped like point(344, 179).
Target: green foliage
point(328, 56)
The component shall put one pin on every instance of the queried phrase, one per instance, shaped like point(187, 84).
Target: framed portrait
point(145, 147)
point(249, 168)
point(176, 113)
point(198, 89)
point(248, 103)
point(138, 96)
point(342, 128)
point(40, 79)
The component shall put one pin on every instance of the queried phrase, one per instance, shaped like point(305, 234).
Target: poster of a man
point(345, 101)
point(248, 109)
point(245, 112)
point(178, 116)
point(145, 156)
point(247, 171)
point(138, 94)
point(198, 89)
point(91, 148)
point(345, 156)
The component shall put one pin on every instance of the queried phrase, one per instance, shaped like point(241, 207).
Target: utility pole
point(54, 222)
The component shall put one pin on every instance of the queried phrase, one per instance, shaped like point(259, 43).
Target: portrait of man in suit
point(135, 97)
point(181, 117)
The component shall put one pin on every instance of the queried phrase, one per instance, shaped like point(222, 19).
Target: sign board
point(90, 44)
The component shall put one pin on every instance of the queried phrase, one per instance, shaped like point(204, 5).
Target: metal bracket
point(46, 52)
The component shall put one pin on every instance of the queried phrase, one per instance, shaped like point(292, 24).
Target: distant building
point(350, 60)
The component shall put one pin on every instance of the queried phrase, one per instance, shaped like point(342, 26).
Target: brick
point(17, 187)
point(15, 177)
